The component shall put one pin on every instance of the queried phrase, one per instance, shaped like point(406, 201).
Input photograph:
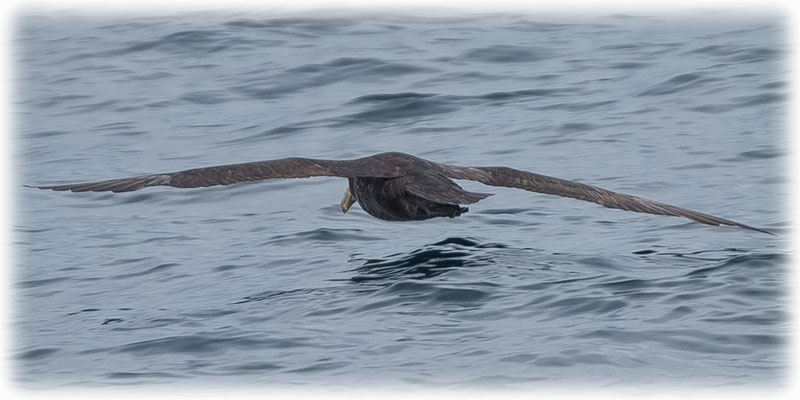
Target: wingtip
point(767, 232)
point(752, 228)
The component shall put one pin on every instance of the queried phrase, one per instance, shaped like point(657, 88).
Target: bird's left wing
point(294, 167)
point(514, 178)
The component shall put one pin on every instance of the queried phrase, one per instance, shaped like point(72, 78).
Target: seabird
point(399, 187)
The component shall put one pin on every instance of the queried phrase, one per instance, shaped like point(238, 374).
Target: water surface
point(269, 284)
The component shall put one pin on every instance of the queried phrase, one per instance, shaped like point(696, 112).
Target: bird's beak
point(347, 200)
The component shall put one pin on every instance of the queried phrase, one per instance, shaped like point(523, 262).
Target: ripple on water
point(507, 54)
point(428, 261)
point(201, 344)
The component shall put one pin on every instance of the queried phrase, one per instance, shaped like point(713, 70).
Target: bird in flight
point(398, 186)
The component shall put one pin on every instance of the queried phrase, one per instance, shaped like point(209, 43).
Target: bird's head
point(347, 200)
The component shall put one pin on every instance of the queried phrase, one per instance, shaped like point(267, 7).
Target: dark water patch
point(767, 317)
point(759, 99)
point(274, 133)
point(297, 26)
point(36, 354)
point(399, 109)
point(420, 264)
point(209, 314)
point(756, 55)
point(323, 235)
point(230, 267)
point(354, 67)
point(520, 358)
point(172, 238)
point(462, 99)
point(774, 85)
point(469, 242)
point(584, 305)
point(204, 344)
point(738, 53)
point(141, 375)
point(625, 47)
point(496, 211)
point(382, 97)
point(644, 252)
point(123, 261)
point(678, 83)
point(94, 107)
point(198, 43)
point(707, 255)
point(575, 127)
point(749, 261)
point(280, 294)
point(601, 263)
point(690, 340)
point(630, 65)
point(151, 76)
point(625, 285)
point(674, 314)
point(509, 222)
point(570, 360)
point(32, 230)
point(451, 295)
point(389, 107)
point(58, 99)
point(205, 97)
point(255, 367)
point(157, 268)
point(84, 310)
point(554, 362)
point(40, 282)
point(318, 367)
point(427, 262)
point(574, 107)
point(130, 133)
point(758, 293)
point(115, 126)
point(538, 26)
point(159, 104)
point(506, 54)
point(146, 326)
point(132, 198)
point(759, 154)
point(433, 129)
point(693, 166)
point(463, 77)
point(517, 94)
point(191, 42)
point(717, 50)
point(328, 311)
point(317, 75)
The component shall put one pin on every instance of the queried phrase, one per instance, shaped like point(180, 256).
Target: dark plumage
point(398, 186)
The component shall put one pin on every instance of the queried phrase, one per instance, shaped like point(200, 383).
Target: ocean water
point(268, 284)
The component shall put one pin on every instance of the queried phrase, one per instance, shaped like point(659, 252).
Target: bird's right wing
point(294, 167)
point(514, 178)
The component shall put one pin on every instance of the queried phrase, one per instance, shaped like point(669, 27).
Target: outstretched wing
point(294, 167)
point(513, 178)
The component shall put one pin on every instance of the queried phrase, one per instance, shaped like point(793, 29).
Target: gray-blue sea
point(268, 284)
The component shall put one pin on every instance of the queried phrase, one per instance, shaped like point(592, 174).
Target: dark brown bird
point(398, 186)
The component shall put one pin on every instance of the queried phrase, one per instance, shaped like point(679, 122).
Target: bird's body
point(399, 187)
point(387, 199)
